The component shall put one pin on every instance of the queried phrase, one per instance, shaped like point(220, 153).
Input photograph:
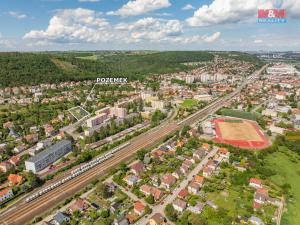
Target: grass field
point(239, 114)
point(189, 103)
point(287, 166)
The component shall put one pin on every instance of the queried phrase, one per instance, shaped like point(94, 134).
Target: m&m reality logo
point(276, 15)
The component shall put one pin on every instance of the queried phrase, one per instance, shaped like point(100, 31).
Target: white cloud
point(227, 11)
point(5, 43)
point(188, 7)
point(198, 39)
point(151, 29)
point(73, 25)
point(258, 41)
point(292, 7)
point(214, 37)
point(234, 11)
point(88, 0)
point(17, 15)
point(138, 7)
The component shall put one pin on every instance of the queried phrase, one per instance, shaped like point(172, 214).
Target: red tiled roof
point(262, 191)
point(199, 179)
point(138, 206)
point(255, 181)
point(15, 179)
point(183, 193)
point(223, 151)
point(4, 192)
point(256, 205)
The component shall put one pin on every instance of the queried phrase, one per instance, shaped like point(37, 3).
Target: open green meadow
point(189, 103)
point(287, 166)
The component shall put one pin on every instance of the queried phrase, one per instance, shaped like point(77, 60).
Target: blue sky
point(34, 25)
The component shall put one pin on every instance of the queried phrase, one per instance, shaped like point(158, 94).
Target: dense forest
point(35, 68)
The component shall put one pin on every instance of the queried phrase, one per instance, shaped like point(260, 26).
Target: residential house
point(184, 169)
point(158, 153)
point(137, 168)
point(206, 146)
point(183, 193)
point(157, 219)
point(212, 164)
point(60, 218)
point(32, 138)
point(6, 194)
point(121, 221)
point(197, 209)
point(155, 180)
point(5, 166)
point(111, 186)
point(199, 154)
point(14, 179)
point(179, 205)
point(19, 148)
point(148, 190)
point(199, 180)
point(255, 183)
point(15, 160)
point(139, 208)
point(255, 220)
point(49, 130)
point(261, 196)
point(207, 171)
point(177, 173)
point(224, 153)
point(187, 163)
point(193, 188)
point(131, 179)
point(79, 205)
point(167, 181)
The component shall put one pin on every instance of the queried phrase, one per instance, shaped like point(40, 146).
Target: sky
point(51, 25)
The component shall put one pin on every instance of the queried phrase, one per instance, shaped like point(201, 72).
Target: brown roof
point(168, 179)
point(79, 205)
point(158, 218)
point(180, 203)
point(138, 167)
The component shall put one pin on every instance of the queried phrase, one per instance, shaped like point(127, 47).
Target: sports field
point(240, 133)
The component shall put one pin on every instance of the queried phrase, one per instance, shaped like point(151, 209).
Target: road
point(170, 198)
point(22, 212)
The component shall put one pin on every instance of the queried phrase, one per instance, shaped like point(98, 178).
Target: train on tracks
point(77, 172)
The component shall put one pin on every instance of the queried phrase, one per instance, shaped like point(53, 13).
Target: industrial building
point(48, 156)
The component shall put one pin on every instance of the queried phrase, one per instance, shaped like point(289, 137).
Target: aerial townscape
point(120, 113)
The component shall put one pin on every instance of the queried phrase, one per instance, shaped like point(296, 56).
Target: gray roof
point(256, 219)
point(60, 217)
point(49, 150)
